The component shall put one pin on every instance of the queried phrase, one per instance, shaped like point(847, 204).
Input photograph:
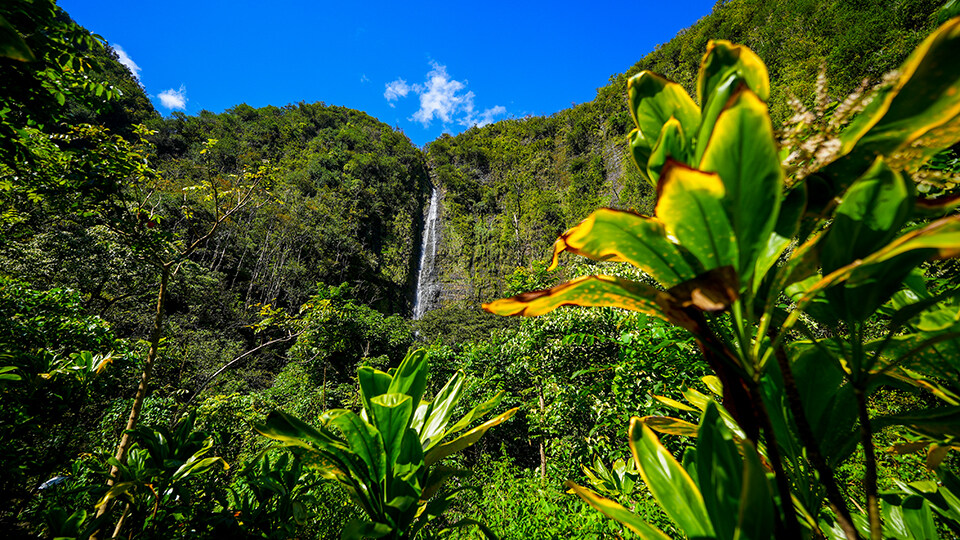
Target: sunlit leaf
point(669, 482)
point(614, 511)
point(598, 291)
point(743, 152)
point(690, 205)
point(616, 235)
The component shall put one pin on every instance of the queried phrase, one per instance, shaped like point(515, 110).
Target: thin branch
point(203, 386)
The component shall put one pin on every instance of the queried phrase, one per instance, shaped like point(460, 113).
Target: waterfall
point(427, 293)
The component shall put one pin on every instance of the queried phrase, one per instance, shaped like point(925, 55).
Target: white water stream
point(427, 293)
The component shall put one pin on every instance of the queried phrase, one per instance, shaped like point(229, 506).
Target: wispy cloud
point(174, 99)
point(442, 98)
point(398, 89)
point(127, 61)
point(364, 79)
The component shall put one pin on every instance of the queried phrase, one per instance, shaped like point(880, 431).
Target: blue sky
point(424, 67)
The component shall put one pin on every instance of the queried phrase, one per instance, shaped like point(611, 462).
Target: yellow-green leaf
point(690, 206)
point(654, 100)
point(616, 235)
point(669, 482)
point(616, 512)
point(670, 145)
point(596, 291)
point(723, 57)
point(670, 426)
point(743, 151)
point(924, 99)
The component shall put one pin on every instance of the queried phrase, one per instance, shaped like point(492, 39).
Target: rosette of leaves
point(719, 245)
point(388, 456)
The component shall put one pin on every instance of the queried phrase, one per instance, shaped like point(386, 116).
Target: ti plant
point(388, 456)
point(804, 293)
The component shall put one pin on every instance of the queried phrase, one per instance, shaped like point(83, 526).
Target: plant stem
point(809, 441)
point(870, 477)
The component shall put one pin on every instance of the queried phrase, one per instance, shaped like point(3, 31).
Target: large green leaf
point(467, 439)
point(614, 511)
point(364, 440)
point(670, 484)
point(939, 239)
point(12, 45)
point(743, 151)
point(719, 469)
point(438, 413)
point(617, 235)
point(670, 426)
point(411, 376)
point(723, 57)
point(828, 399)
point(786, 228)
point(598, 291)
point(671, 144)
point(373, 383)
point(690, 206)
point(653, 102)
point(924, 103)
point(906, 517)
point(942, 423)
point(475, 413)
point(869, 216)
point(757, 516)
point(391, 416)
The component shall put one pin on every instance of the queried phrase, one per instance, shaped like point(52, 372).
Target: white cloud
point(442, 98)
point(398, 89)
point(127, 61)
point(488, 115)
point(364, 79)
point(174, 99)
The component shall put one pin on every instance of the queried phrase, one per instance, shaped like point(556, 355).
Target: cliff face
point(513, 186)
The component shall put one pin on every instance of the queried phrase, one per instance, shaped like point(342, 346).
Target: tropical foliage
point(726, 213)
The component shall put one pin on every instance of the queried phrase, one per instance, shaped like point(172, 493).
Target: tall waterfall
point(427, 294)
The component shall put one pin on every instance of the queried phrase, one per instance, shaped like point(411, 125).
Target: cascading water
point(427, 293)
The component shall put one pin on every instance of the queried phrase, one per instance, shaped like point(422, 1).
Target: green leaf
point(475, 413)
point(12, 45)
point(465, 440)
point(617, 235)
point(939, 423)
point(869, 216)
point(599, 291)
point(364, 441)
point(670, 426)
point(411, 376)
point(616, 512)
point(721, 59)
point(391, 416)
point(906, 518)
point(719, 467)
point(438, 413)
point(757, 515)
point(373, 383)
point(358, 529)
point(786, 228)
point(939, 239)
point(671, 144)
point(670, 484)
point(742, 150)
point(922, 109)
point(653, 101)
point(690, 206)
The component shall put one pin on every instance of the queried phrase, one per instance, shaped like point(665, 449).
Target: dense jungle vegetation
point(206, 324)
